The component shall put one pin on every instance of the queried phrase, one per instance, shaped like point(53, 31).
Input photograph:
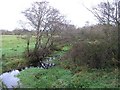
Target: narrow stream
point(10, 79)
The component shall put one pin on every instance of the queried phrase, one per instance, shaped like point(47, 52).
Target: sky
point(74, 10)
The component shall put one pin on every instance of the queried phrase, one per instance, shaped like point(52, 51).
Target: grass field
point(13, 46)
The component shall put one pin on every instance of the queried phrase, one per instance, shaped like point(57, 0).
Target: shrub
point(34, 57)
point(95, 52)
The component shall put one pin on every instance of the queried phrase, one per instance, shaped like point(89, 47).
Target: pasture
point(13, 47)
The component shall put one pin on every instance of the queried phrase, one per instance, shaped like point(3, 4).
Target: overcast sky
point(10, 11)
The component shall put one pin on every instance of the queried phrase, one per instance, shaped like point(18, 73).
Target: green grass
point(95, 79)
point(13, 46)
point(60, 78)
point(66, 48)
point(45, 78)
point(12, 51)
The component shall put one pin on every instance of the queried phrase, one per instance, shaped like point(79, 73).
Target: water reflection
point(10, 79)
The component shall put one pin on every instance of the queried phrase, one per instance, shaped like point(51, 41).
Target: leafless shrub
point(95, 51)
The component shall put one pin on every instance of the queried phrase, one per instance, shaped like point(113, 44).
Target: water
point(10, 79)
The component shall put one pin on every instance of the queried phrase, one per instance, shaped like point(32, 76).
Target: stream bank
point(11, 81)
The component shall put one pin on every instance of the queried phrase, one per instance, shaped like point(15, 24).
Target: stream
point(10, 79)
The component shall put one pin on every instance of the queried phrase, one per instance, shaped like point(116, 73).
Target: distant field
point(12, 45)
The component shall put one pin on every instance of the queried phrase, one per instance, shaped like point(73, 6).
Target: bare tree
point(109, 13)
point(106, 12)
point(45, 20)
